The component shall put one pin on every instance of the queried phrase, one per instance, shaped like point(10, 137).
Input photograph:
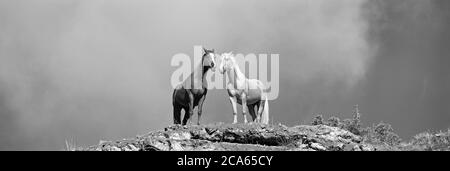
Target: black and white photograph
point(225, 75)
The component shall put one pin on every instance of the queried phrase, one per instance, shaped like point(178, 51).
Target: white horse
point(247, 92)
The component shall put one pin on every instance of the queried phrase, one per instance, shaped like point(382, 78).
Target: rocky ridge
point(239, 137)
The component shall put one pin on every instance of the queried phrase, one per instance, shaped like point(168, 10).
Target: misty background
point(91, 70)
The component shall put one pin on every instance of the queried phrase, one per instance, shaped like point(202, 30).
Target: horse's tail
point(265, 113)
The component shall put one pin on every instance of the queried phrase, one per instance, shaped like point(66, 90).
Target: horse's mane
point(233, 59)
point(199, 66)
point(235, 64)
point(203, 58)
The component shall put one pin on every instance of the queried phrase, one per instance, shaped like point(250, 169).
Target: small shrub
point(382, 133)
point(334, 121)
point(431, 141)
point(353, 125)
point(318, 120)
point(422, 139)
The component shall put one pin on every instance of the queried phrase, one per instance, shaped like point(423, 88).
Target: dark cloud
point(408, 82)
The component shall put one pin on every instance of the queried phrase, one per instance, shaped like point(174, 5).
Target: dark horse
point(192, 92)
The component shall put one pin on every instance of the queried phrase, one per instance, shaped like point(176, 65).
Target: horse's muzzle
point(213, 67)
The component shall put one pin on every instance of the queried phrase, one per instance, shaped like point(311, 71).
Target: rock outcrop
point(237, 137)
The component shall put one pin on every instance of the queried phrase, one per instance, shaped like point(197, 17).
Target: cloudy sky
point(90, 70)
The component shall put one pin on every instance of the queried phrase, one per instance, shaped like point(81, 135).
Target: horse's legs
point(199, 108)
point(244, 106)
point(258, 116)
point(233, 103)
point(260, 109)
point(186, 115)
point(176, 114)
point(251, 111)
point(190, 110)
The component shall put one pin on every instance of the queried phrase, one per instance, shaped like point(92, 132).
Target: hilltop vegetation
point(333, 134)
point(383, 137)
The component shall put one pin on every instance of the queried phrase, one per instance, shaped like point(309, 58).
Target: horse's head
point(209, 59)
point(227, 62)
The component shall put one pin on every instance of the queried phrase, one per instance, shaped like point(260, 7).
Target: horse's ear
point(204, 49)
